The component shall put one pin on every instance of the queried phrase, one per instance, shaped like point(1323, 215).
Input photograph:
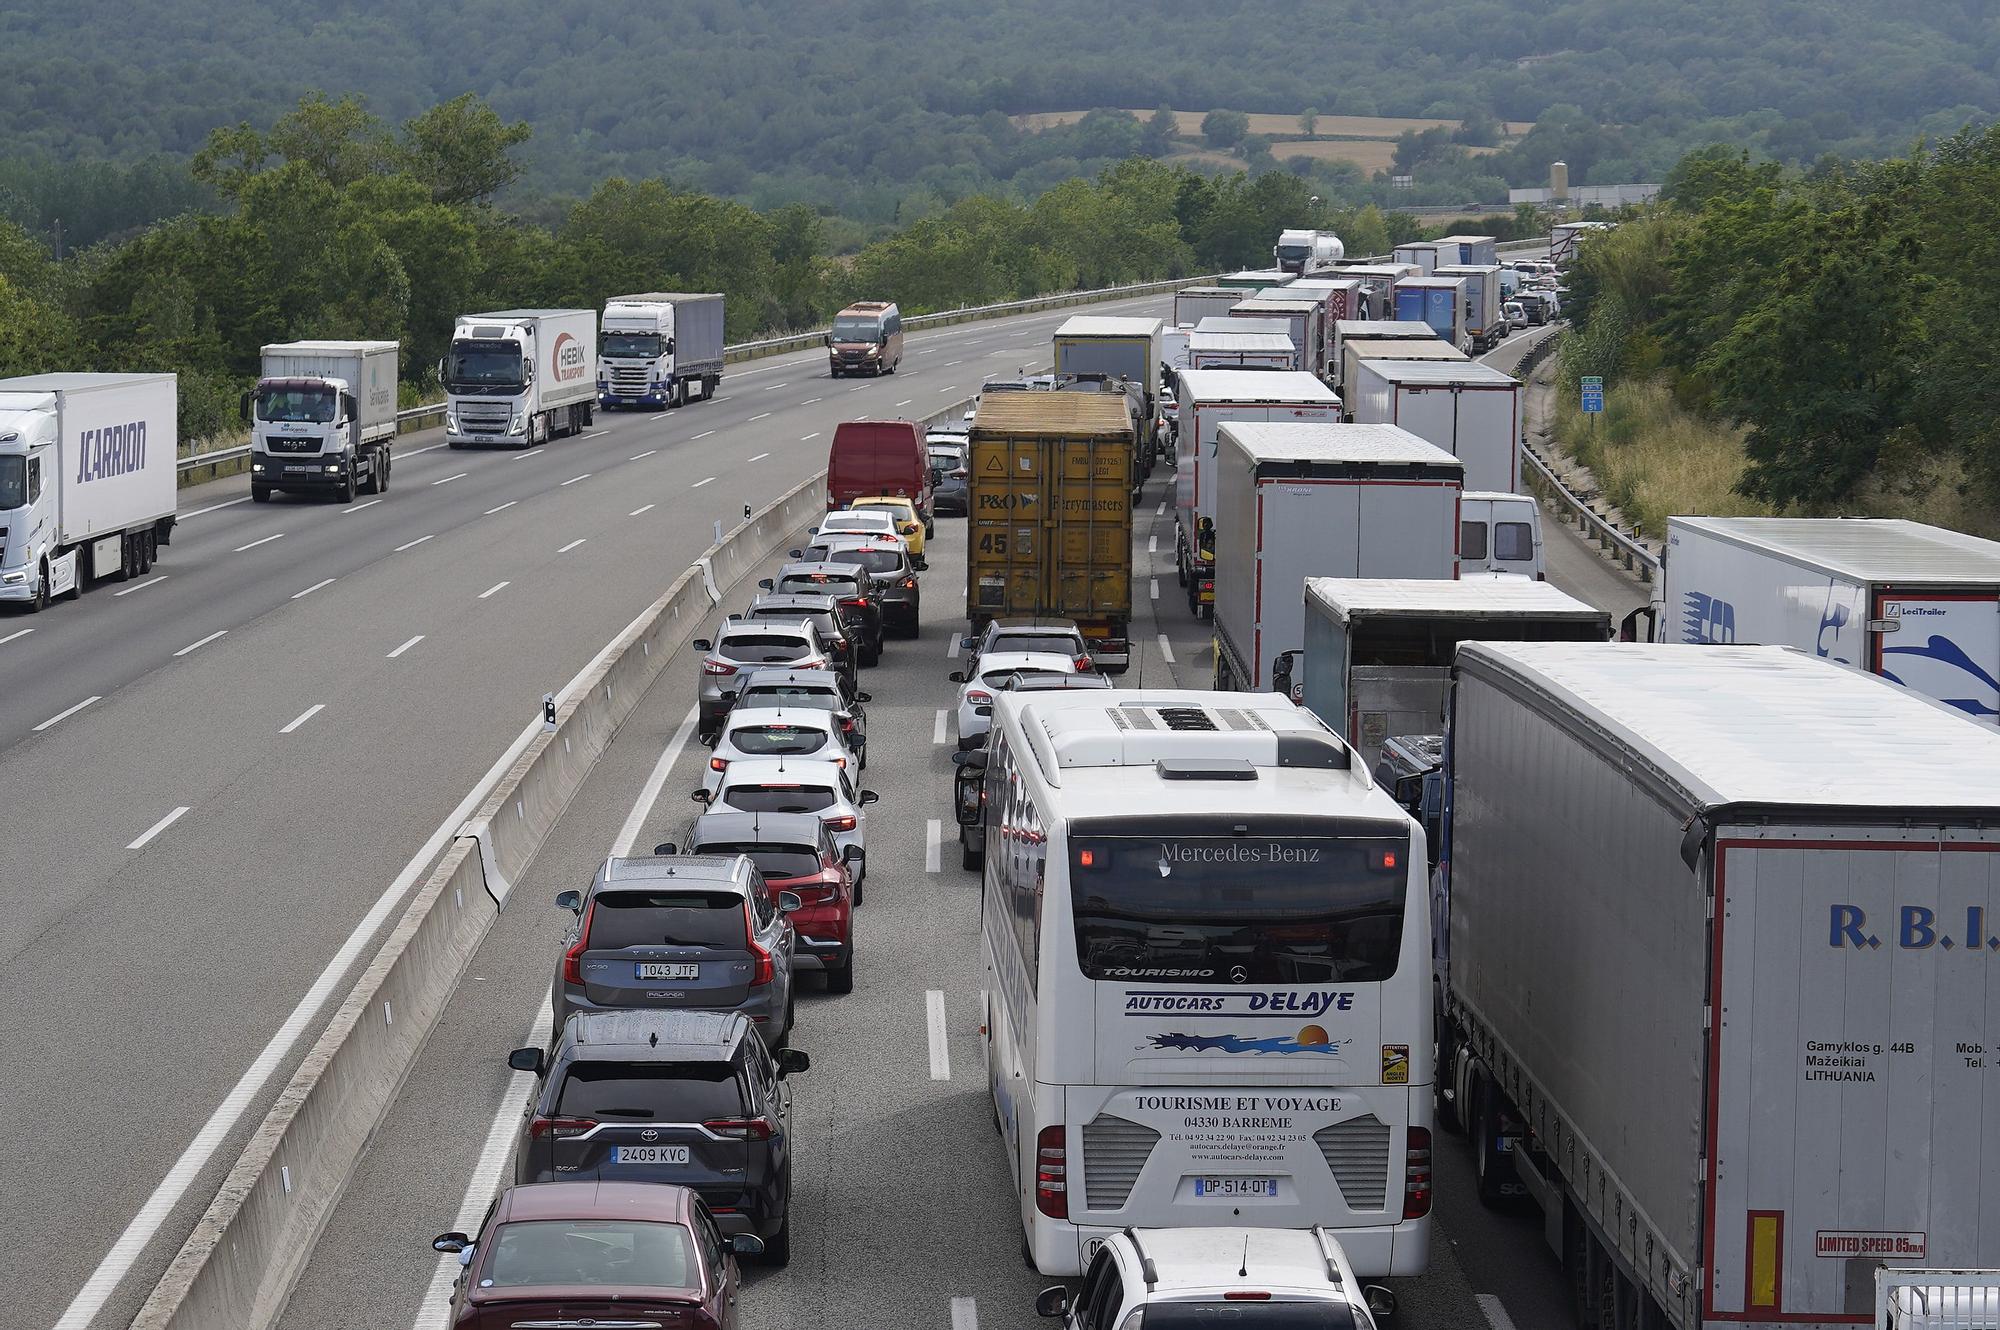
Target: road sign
point(1593, 393)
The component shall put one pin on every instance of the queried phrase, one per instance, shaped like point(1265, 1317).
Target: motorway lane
point(162, 966)
point(904, 1200)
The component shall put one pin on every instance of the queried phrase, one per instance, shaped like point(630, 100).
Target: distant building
point(1608, 196)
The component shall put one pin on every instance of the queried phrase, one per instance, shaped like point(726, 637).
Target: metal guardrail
point(1636, 557)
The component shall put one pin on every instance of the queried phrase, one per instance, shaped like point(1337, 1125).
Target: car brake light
point(740, 1129)
point(1417, 1175)
point(909, 584)
point(762, 969)
point(718, 764)
point(559, 1128)
point(979, 697)
point(573, 958)
point(1052, 1173)
point(1245, 1295)
point(814, 663)
point(840, 823)
point(847, 724)
point(714, 666)
point(1082, 663)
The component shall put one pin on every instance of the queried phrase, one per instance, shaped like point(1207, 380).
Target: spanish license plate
point(1232, 1188)
point(649, 1154)
point(663, 970)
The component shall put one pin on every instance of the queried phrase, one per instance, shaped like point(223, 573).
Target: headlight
point(256, 466)
point(451, 422)
point(18, 575)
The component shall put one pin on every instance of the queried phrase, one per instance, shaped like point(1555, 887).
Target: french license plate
point(661, 970)
point(303, 466)
point(1228, 1188)
point(649, 1154)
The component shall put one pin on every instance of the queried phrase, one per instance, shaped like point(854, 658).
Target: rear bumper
point(822, 953)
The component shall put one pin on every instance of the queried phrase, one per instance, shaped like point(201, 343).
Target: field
point(1328, 126)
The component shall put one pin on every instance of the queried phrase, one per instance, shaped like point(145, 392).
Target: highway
point(223, 777)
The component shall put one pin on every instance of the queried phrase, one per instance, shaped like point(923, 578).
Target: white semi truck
point(520, 377)
point(659, 349)
point(322, 419)
point(1305, 252)
point(87, 480)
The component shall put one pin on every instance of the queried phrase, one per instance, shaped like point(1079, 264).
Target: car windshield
point(791, 695)
point(13, 482)
point(779, 798)
point(1259, 910)
point(632, 345)
point(857, 330)
point(296, 405)
point(591, 1253)
point(1062, 644)
point(776, 740)
point(650, 1092)
point(672, 918)
point(875, 561)
point(762, 648)
point(775, 862)
point(484, 365)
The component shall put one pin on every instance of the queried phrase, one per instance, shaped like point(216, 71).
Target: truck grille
point(290, 445)
point(1357, 1153)
point(484, 417)
point(629, 380)
point(1114, 1150)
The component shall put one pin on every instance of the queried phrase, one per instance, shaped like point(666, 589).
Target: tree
point(1309, 121)
point(461, 150)
point(1224, 129)
point(1162, 127)
point(1478, 129)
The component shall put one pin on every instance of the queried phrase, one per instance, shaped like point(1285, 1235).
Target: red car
point(796, 853)
point(612, 1253)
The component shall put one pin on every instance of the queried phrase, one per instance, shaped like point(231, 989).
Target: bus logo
point(1310, 1039)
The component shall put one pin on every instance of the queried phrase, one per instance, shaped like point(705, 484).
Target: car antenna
point(1243, 1271)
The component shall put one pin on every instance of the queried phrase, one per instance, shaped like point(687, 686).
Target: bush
point(1224, 129)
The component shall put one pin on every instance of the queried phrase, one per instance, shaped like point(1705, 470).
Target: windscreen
point(650, 1092)
point(857, 330)
point(590, 1253)
point(296, 405)
point(13, 482)
point(763, 648)
point(776, 740)
point(875, 561)
point(632, 345)
point(775, 862)
point(484, 365)
point(666, 918)
point(1224, 909)
point(779, 798)
point(1292, 253)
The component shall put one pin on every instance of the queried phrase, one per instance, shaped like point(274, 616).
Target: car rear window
point(763, 648)
point(875, 561)
point(777, 740)
point(826, 583)
point(650, 1092)
point(594, 1253)
point(665, 918)
point(779, 798)
point(824, 698)
point(894, 512)
point(1060, 643)
point(1249, 1316)
point(774, 861)
point(1513, 541)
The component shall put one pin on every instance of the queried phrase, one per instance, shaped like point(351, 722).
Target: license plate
point(658, 970)
point(1226, 1188)
point(649, 1154)
point(303, 466)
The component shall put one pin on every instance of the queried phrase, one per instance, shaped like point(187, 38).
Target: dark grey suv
point(690, 932)
point(691, 1098)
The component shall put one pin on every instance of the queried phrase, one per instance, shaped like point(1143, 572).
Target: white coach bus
point(1207, 951)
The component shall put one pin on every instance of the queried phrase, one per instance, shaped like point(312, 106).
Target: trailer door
point(1943, 645)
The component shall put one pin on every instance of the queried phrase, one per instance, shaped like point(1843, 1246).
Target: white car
point(857, 521)
point(1245, 1278)
point(801, 734)
point(792, 785)
point(975, 694)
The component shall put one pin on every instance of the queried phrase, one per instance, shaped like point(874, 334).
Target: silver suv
point(741, 646)
point(681, 932)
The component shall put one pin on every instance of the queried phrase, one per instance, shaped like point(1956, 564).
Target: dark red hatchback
point(602, 1253)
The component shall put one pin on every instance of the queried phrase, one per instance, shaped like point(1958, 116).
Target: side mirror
point(243, 406)
point(703, 644)
point(670, 346)
point(795, 554)
point(1381, 1302)
point(746, 1244)
point(864, 697)
point(527, 1059)
point(956, 676)
point(664, 848)
point(868, 797)
point(1052, 1301)
point(765, 584)
point(791, 1061)
point(828, 339)
point(851, 853)
point(569, 900)
point(699, 796)
point(451, 1243)
point(789, 902)
point(965, 644)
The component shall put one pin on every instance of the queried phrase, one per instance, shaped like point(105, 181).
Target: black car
point(687, 1097)
point(895, 578)
point(823, 689)
point(851, 586)
point(951, 490)
point(828, 617)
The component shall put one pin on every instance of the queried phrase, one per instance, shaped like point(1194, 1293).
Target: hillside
point(854, 108)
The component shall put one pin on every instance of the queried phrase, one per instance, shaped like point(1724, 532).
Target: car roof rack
point(1147, 1270)
point(1326, 1252)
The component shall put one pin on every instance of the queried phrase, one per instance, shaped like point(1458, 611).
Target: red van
point(874, 457)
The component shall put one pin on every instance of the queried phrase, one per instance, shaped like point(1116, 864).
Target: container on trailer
point(1319, 500)
point(660, 348)
point(322, 417)
point(1194, 303)
point(1470, 410)
point(1437, 301)
point(1480, 250)
point(1425, 345)
point(1483, 322)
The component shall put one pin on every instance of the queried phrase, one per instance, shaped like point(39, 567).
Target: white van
point(1499, 535)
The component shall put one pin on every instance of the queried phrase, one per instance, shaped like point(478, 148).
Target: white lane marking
point(906, 401)
point(647, 509)
point(418, 541)
point(855, 389)
point(808, 438)
point(938, 726)
point(412, 642)
point(934, 846)
point(927, 350)
point(65, 715)
point(573, 479)
point(1166, 649)
point(1156, 588)
point(11, 636)
point(772, 387)
point(300, 595)
point(759, 416)
point(532, 452)
point(952, 646)
point(448, 479)
point(1152, 544)
point(213, 508)
point(809, 401)
point(758, 458)
point(1161, 511)
point(255, 543)
point(157, 828)
point(940, 1055)
point(592, 433)
point(949, 388)
point(196, 646)
point(1489, 1303)
point(572, 545)
point(949, 363)
point(509, 504)
point(427, 448)
point(964, 1312)
point(495, 587)
point(142, 586)
point(304, 716)
point(359, 506)
point(649, 793)
point(145, 1225)
point(643, 456)
point(704, 434)
point(699, 483)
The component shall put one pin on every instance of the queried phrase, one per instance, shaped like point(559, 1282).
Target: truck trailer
point(520, 377)
point(1918, 605)
point(1712, 990)
point(323, 417)
point(1306, 252)
point(1419, 254)
point(1302, 317)
point(1453, 250)
point(1421, 345)
point(1472, 411)
point(1254, 348)
point(1316, 500)
point(1437, 301)
point(1378, 285)
point(1194, 303)
point(1255, 279)
point(1374, 330)
point(1483, 321)
point(87, 480)
point(1340, 298)
point(659, 349)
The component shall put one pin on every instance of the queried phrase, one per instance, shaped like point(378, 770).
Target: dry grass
point(1654, 458)
point(1340, 126)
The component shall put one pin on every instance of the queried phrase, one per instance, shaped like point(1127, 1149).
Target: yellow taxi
point(908, 524)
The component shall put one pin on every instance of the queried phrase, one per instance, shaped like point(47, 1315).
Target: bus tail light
point(1417, 1175)
point(1052, 1173)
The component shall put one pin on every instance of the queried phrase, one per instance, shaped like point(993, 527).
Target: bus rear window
point(1229, 910)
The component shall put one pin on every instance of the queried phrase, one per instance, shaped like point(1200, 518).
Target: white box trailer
point(1194, 303)
point(1377, 652)
point(1301, 318)
point(1378, 285)
point(660, 349)
point(1483, 323)
point(1100, 344)
point(1374, 330)
point(1483, 250)
point(1718, 974)
point(1437, 301)
point(1254, 349)
point(1294, 501)
point(1916, 604)
point(323, 417)
point(520, 377)
point(87, 480)
point(1420, 254)
point(1472, 411)
point(1419, 345)
point(1340, 298)
point(1256, 279)
point(1208, 400)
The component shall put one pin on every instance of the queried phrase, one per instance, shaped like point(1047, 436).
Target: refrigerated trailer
point(660, 349)
point(1716, 989)
point(1252, 349)
point(1472, 411)
point(1194, 303)
point(1483, 321)
point(1419, 346)
point(1437, 301)
point(520, 376)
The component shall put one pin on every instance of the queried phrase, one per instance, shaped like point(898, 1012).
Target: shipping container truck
point(87, 480)
point(1209, 399)
point(1714, 988)
point(1049, 532)
point(1918, 605)
point(1419, 254)
point(1294, 501)
point(660, 349)
point(1478, 250)
point(322, 418)
point(1255, 279)
point(1305, 252)
point(1483, 323)
point(1422, 345)
point(520, 377)
point(1255, 349)
point(1378, 285)
point(1470, 410)
point(1194, 303)
point(1301, 317)
point(1376, 657)
point(1437, 301)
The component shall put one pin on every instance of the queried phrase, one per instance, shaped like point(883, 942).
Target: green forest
point(858, 108)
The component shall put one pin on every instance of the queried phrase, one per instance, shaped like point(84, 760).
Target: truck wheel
point(40, 601)
point(347, 485)
point(143, 544)
point(262, 493)
point(1485, 1143)
point(382, 473)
